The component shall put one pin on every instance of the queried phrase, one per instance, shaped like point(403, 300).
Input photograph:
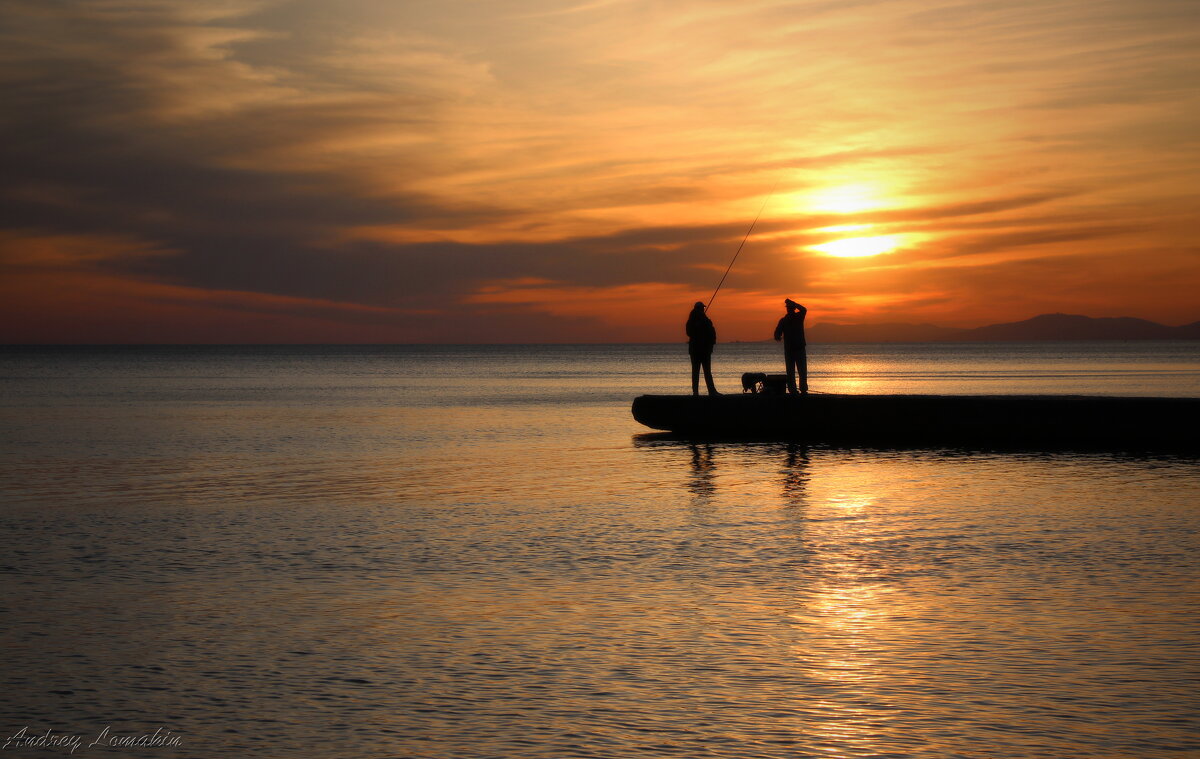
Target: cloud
point(410, 171)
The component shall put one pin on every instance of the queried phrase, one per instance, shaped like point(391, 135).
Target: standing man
point(791, 331)
point(702, 336)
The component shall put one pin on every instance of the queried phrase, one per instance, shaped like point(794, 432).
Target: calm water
point(445, 552)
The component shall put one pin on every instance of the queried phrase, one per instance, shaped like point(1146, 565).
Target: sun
point(854, 199)
point(859, 247)
point(846, 199)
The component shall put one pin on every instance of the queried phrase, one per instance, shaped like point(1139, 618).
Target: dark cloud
point(84, 154)
point(1009, 241)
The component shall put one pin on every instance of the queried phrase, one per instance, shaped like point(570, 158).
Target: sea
point(475, 552)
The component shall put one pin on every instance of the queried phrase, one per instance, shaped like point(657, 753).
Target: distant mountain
point(1189, 331)
point(1069, 327)
point(1039, 328)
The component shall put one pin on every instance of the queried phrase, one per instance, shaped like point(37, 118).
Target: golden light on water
point(851, 502)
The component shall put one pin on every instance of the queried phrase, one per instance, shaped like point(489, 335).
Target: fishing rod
point(739, 248)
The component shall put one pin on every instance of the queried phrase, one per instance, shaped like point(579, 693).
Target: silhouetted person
point(702, 336)
point(791, 331)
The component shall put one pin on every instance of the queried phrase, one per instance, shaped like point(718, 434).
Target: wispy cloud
point(355, 169)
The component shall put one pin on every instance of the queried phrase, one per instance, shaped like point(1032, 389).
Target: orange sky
point(528, 170)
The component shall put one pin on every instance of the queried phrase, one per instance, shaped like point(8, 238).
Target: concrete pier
point(1028, 421)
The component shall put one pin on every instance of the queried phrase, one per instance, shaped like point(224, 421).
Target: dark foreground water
point(475, 552)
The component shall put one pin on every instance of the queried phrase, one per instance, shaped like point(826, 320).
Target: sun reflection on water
point(850, 502)
point(840, 624)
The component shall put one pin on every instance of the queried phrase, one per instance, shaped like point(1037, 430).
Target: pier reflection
point(795, 473)
point(770, 474)
point(701, 483)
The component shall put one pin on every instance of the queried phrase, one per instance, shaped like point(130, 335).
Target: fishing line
point(739, 248)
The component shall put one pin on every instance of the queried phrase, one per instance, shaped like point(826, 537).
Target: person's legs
point(706, 362)
point(790, 358)
point(695, 375)
point(802, 368)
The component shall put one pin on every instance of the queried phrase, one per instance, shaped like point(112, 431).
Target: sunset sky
point(537, 170)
